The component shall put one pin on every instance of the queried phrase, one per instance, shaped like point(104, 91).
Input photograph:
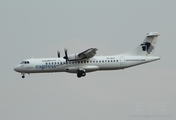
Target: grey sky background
point(38, 28)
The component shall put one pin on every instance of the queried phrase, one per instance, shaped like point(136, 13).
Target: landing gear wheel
point(78, 75)
point(81, 73)
point(23, 76)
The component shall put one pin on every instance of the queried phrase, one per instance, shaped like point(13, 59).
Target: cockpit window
point(24, 62)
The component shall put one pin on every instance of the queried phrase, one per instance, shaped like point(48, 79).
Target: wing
point(87, 54)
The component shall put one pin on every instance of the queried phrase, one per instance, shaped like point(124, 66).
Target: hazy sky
point(38, 28)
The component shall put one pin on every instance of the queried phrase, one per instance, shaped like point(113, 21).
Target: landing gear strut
point(81, 73)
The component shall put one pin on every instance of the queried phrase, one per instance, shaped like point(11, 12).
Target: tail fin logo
point(147, 46)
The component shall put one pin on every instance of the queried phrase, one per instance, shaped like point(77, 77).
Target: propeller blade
point(66, 55)
point(58, 54)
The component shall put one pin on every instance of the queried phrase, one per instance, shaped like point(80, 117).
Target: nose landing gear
point(23, 75)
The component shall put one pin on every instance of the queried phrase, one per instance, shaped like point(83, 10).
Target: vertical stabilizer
point(147, 47)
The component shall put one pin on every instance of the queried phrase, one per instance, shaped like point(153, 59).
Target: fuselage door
point(122, 62)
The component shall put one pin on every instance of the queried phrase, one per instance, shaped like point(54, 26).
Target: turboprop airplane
point(86, 61)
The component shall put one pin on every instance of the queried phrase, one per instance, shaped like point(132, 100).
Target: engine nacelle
point(73, 57)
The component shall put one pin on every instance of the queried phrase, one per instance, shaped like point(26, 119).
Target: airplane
point(86, 61)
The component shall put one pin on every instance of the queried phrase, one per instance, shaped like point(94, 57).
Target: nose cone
point(16, 68)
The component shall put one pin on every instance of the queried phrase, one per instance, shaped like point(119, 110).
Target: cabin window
point(117, 60)
point(100, 61)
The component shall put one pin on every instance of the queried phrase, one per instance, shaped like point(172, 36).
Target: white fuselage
point(43, 65)
point(86, 61)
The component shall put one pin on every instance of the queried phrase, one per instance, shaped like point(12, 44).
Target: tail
point(146, 48)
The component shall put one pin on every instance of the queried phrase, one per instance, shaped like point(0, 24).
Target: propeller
point(66, 55)
point(58, 54)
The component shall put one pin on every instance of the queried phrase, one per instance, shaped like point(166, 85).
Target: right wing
point(87, 54)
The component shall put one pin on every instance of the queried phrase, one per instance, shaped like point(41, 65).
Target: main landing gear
point(81, 73)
